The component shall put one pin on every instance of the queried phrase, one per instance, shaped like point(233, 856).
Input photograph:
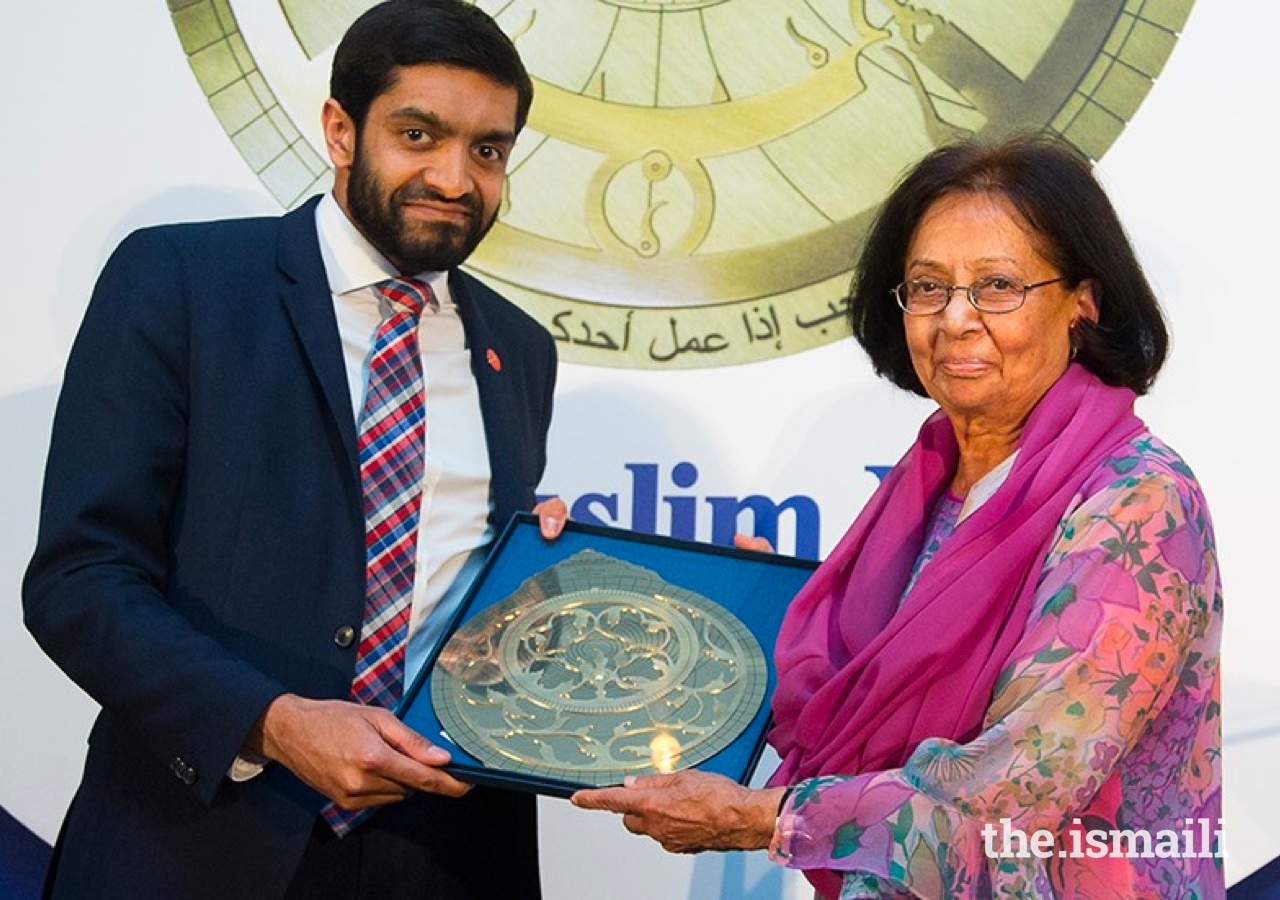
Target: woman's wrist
point(772, 801)
point(782, 800)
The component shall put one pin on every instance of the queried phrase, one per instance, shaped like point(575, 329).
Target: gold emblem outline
point(612, 305)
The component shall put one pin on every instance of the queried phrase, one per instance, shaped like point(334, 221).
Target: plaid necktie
point(392, 433)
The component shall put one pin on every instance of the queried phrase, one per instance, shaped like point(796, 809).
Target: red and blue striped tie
point(392, 435)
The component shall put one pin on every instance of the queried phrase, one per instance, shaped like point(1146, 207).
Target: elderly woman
point(1004, 680)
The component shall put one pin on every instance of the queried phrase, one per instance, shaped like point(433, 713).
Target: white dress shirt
point(454, 518)
point(453, 524)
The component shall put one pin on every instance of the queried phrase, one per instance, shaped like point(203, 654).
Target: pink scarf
point(862, 680)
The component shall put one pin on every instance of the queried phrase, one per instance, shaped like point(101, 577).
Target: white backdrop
point(108, 130)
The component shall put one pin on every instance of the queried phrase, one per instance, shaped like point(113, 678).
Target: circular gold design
point(596, 669)
point(697, 174)
point(598, 652)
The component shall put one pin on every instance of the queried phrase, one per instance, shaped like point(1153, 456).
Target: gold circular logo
point(696, 174)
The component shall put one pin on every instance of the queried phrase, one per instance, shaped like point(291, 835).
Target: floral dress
point(1098, 770)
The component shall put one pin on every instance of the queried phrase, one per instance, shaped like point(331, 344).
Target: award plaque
point(606, 653)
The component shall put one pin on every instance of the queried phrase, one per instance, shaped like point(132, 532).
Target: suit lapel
point(305, 291)
point(497, 400)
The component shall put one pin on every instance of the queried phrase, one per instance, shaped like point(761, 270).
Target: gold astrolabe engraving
point(696, 175)
point(596, 669)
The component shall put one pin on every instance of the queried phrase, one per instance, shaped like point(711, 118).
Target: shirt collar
point(353, 264)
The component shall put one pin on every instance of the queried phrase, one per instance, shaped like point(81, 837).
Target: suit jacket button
point(345, 636)
point(185, 773)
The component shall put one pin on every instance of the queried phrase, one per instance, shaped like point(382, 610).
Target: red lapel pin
point(494, 362)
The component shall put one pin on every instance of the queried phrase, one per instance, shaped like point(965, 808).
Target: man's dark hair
point(401, 33)
point(1072, 224)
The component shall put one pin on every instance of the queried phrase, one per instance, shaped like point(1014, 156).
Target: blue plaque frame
point(755, 587)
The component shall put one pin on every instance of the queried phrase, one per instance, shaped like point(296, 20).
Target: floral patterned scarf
point(862, 679)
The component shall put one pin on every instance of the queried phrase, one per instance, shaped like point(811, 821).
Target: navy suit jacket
point(201, 545)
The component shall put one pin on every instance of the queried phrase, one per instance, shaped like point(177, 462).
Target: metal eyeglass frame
point(971, 293)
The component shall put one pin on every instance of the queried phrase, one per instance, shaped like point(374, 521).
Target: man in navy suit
point(200, 569)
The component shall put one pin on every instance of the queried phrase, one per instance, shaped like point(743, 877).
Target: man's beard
point(428, 247)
